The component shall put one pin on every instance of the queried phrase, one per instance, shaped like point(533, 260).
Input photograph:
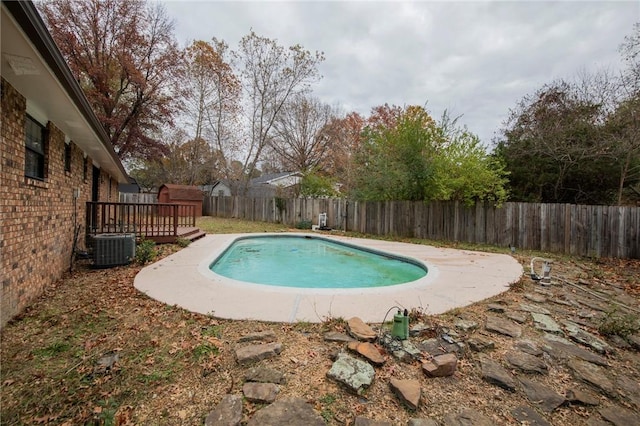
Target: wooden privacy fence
point(598, 231)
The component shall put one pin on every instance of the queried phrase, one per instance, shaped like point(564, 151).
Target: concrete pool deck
point(456, 278)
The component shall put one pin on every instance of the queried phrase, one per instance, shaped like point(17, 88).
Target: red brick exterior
point(37, 218)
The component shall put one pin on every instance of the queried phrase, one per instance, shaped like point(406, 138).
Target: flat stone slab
point(527, 363)
point(545, 323)
point(467, 416)
point(355, 374)
point(480, 344)
point(422, 422)
point(518, 317)
point(361, 331)
point(228, 412)
point(363, 421)
point(367, 350)
point(264, 375)
point(593, 375)
point(465, 325)
point(577, 334)
point(528, 416)
point(252, 353)
point(527, 307)
point(530, 347)
point(260, 392)
point(538, 298)
point(286, 411)
point(408, 391)
point(503, 326)
point(441, 365)
point(494, 373)
point(335, 336)
point(542, 396)
point(619, 416)
point(562, 349)
point(580, 396)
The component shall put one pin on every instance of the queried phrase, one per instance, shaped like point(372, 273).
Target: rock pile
point(553, 330)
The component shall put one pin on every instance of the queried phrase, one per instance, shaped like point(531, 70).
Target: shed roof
point(182, 192)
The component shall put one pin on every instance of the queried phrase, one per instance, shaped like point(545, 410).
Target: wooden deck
point(162, 223)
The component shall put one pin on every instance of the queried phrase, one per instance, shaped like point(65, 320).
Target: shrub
point(146, 252)
point(183, 242)
point(618, 324)
point(303, 224)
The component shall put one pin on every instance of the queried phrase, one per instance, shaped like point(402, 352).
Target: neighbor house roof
point(34, 66)
point(271, 178)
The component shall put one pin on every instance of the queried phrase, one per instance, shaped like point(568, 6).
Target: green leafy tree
point(316, 185)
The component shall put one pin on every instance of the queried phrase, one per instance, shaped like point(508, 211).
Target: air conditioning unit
point(113, 249)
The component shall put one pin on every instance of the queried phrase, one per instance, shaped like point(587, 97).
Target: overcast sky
point(475, 59)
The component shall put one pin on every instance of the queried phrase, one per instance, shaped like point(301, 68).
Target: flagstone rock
point(545, 323)
point(527, 307)
point(529, 347)
point(544, 397)
point(334, 336)
point(538, 298)
point(619, 416)
point(579, 335)
point(252, 353)
point(228, 412)
point(363, 421)
point(634, 340)
point(518, 317)
point(593, 375)
point(503, 326)
point(264, 375)
point(361, 331)
point(583, 397)
point(527, 363)
point(466, 325)
point(528, 416)
point(355, 374)
point(422, 422)
point(260, 392)
point(408, 391)
point(467, 417)
point(367, 350)
point(286, 411)
point(441, 365)
point(437, 346)
point(630, 388)
point(562, 349)
point(495, 307)
point(261, 336)
point(480, 344)
point(494, 373)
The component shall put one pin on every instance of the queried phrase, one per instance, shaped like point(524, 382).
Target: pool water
point(311, 262)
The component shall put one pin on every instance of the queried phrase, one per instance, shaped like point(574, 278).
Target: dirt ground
point(172, 366)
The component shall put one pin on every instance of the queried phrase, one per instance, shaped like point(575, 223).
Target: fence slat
point(602, 231)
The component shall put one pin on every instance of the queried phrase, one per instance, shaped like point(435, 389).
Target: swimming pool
point(313, 262)
point(456, 278)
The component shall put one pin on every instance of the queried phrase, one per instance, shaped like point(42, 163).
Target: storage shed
point(181, 194)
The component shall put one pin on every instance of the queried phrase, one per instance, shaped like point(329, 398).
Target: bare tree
point(301, 133)
point(212, 102)
point(270, 76)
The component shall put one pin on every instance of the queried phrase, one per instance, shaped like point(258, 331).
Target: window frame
point(32, 153)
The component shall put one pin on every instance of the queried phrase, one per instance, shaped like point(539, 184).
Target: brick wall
point(38, 217)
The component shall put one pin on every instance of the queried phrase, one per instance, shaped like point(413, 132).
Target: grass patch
point(205, 350)
point(54, 349)
point(619, 324)
point(217, 225)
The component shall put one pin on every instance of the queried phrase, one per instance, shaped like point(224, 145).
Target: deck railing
point(154, 221)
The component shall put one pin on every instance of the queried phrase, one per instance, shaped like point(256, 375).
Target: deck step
point(192, 234)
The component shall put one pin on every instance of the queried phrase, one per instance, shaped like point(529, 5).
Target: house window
point(67, 157)
point(34, 149)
